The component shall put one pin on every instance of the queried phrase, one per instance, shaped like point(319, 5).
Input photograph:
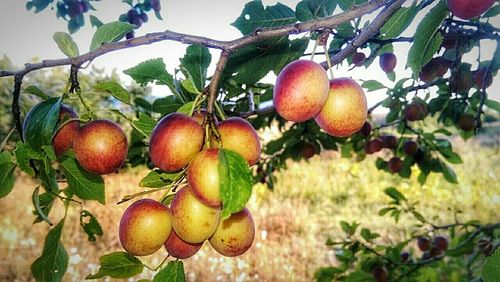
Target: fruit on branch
point(180, 249)
point(345, 110)
point(461, 81)
point(366, 129)
point(415, 111)
point(434, 252)
point(395, 165)
point(403, 257)
point(175, 140)
point(358, 59)
point(234, 235)
point(63, 139)
point(373, 146)
point(239, 135)
point(466, 122)
point(468, 9)
point(144, 227)
point(423, 244)
point(440, 242)
point(388, 62)
point(483, 78)
point(300, 91)
point(436, 67)
point(203, 177)
point(192, 221)
point(379, 273)
point(308, 151)
point(389, 141)
point(101, 146)
point(410, 148)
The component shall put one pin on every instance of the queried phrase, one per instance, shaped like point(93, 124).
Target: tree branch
point(213, 88)
point(16, 112)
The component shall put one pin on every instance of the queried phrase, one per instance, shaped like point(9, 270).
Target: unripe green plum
point(192, 221)
point(63, 139)
point(178, 248)
point(239, 135)
point(234, 235)
point(144, 227)
point(300, 91)
point(345, 110)
point(101, 146)
point(175, 140)
point(203, 177)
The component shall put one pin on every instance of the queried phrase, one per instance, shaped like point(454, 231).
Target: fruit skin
point(395, 164)
point(373, 146)
point(414, 112)
point(345, 110)
point(175, 140)
point(358, 59)
point(389, 141)
point(423, 244)
point(366, 129)
point(234, 235)
point(440, 242)
point(308, 151)
point(380, 274)
point(300, 91)
point(483, 78)
point(404, 256)
point(203, 177)
point(63, 139)
point(468, 9)
point(178, 248)
point(192, 221)
point(144, 227)
point(436, 67)
point(388, 62)
point(238, 135)
point(466, 122)
point(101, 146)
point(410, 147)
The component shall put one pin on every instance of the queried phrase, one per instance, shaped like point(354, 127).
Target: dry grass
point(292, 222)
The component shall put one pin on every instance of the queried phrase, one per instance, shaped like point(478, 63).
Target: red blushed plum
point(63, 139)
point(101, 146)
point(300, 91)
point(468, 9)
point(192, 221)
point(203, 177)
point(178, 248)
point(239, 135)
point(345, 109)
point(175, 140)
point(144, 227)
point(234, 235)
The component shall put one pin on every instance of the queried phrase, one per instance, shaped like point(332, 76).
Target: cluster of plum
point(137, 15)
point(303, 91)
point(194, 214)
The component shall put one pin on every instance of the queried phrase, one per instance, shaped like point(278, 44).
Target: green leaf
point(372, 85)
point(66, 44)
point(493, 12)
point(347, 4)
point(235, 182)
point(115, 89)
point(491, 267)
point(398, 22)
point(158, 179)
point(166, 105)
point(492, 104)
point(85, 185)
point(427, 40)
point(24, 153)
point(150, 71)
point(173, 272)
point(52, 264)
point(110, 32)
point(42, 208)
point(395, 194)
point(41, 122)
point(91, 226)
point(145, 124)
point(346, 227)
point(7, 177)
point(118, 265)
point(359, 276)
point(368, 235)
point(308, 10)
point(449, 174)
point(195, 63)
point(383, 211)
point(327, 274)
point(186, 108)
point(95, 22)
point(32, 89)
point(254, 17)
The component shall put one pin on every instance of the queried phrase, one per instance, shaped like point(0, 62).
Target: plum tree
point(234, 235)
point(63, 139)
point(101, 146)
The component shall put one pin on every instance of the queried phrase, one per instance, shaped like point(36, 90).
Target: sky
point(26, 35)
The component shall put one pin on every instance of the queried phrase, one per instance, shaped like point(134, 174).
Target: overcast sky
point(26, 35)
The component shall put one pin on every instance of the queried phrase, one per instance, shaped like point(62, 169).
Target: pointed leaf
point(53, 262)
point(308, 10)
point(110, 32)
point(118, 265)
point(66, 44)
point(32, 89)
point(398, 22)
point(173, 272)
point(115, 89)
point(39, 209)
point(158, 179)
point(254, 16)
point(491, 267)
point(85, 185)
point(40, 123)
point(7, 177)
point(195, 62)
point(395, 194)
point(95, 22)
point(150, 71)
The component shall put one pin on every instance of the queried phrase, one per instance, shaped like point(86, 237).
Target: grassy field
point(292, 222)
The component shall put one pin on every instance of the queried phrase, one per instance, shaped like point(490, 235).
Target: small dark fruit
point(423, 244)
point(389, 141)
point(358, 59)
point(466, 122)
point(366, 129)
point(380, 274)
point(440, 242)
point(395, 165)
point(410, 147)
point(388, 62)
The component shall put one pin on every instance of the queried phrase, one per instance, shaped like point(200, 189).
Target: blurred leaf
point(492, 104)
point(235, 182)
point(493, 12)
point(166, 105)
point(115, 89)
point(398, 22)
point(24, 153)
point(110, 32)
point(372, 85)
point(95, 22)
point(254, 17)
point(347, 4)
point(395, 194)
point(173, 272)
point(40, 123)
point(52, 264)
point(32, 89)
point(145, 124)
point(368, 235)
point(118, 265)
point(491, 268)
point(308, 10)
point(91, 227)
point(195, 62)
point(327, 274)
point(39, 5)
point(426, 39)
point(66, 44)
point(359, 276)
point(7, 177)
point(383, 211)
point(419, 216)
point(41, 210)
point(158, 179)
point(85, 185)
point(449, 174)
point(186, 108)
